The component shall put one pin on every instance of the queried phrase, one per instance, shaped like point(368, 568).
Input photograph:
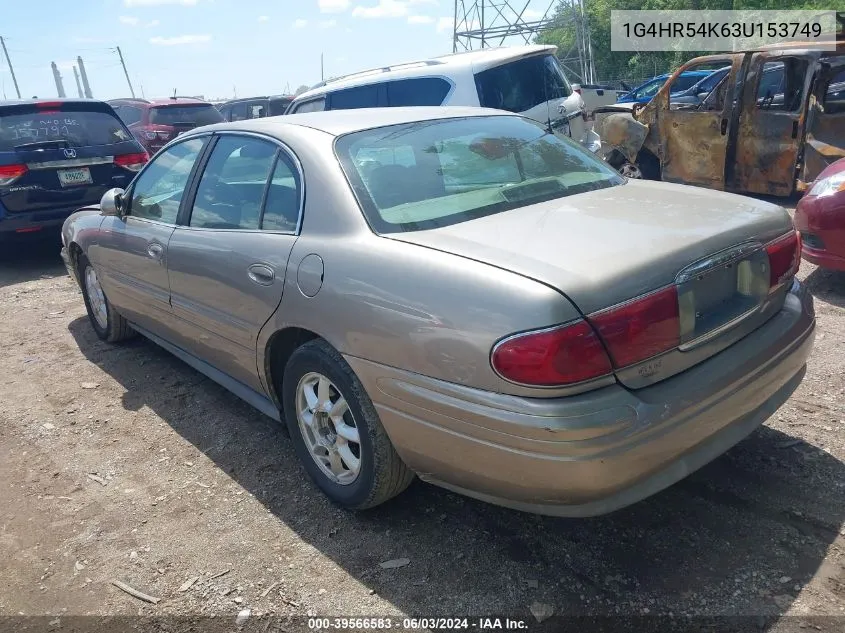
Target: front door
point(228, 258)
point(825, 141)
point(694, 140)
point(131, 250)
point(771, 123)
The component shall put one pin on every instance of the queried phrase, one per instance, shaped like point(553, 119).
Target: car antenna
point(174, 94)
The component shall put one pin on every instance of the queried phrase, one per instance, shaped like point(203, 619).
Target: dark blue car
point(57, 156)
point(644, 92)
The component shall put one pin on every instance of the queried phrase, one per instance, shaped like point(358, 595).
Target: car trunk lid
point(605, 248)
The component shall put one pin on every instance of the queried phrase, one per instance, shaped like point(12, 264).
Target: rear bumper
point(33, 221)
point(823, 258)
point(593, 453)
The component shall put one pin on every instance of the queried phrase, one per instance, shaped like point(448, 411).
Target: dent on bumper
point(592, 453)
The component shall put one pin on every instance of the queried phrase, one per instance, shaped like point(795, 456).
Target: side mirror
point(111, 201)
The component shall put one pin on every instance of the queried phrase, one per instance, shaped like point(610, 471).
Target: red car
point(820, 217)
point(155, 123)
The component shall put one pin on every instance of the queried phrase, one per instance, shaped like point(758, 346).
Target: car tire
point(108, 324)
point(381, 474)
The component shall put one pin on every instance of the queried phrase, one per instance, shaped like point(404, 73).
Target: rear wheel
point(108, 324)
point(336, 431)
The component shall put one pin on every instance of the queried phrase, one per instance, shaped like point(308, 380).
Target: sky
point(220, 48)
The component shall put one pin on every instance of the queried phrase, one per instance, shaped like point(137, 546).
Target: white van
point(527, 80)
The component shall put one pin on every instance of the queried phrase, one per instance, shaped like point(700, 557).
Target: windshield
point(197, 115)
point(425, 175)
point(521, 85)
point(75, 128)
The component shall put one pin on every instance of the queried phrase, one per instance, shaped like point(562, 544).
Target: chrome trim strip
point(721, 258)
point(72, 162)
point(715, 333)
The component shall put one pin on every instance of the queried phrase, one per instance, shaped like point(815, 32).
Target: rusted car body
point(770, 127)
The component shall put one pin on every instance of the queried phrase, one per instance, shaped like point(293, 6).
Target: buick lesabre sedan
point(457, 294)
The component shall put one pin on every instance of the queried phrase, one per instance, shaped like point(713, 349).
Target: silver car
point(457, 294)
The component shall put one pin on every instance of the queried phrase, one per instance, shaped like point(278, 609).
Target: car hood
point(607, 246)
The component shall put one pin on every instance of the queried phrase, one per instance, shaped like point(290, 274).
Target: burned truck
point(774, 121)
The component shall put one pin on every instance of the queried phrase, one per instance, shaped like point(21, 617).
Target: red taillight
point(641, 328)
point(132, 162)
point(48, 107)
point(558, 356)
point(10, 173)
point(784, 258)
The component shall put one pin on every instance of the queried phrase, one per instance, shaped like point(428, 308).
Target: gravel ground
point(122, 463)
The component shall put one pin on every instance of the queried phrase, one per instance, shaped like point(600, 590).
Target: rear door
point(694, 142)
point(771, 123)
point(64, 155)
point(825, 140)
point(131, 250)
point(228, 258)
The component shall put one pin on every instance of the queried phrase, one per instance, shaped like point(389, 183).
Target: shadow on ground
point(827, 286)
point(30, 258)
point(723, 541)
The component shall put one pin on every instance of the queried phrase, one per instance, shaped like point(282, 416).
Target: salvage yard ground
point(122, 463)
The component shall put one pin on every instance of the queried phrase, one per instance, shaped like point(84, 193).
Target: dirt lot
point(122, 463)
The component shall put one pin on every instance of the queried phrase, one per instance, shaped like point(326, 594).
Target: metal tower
point(486, 23)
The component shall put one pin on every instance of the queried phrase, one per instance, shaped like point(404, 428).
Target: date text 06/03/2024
point(412, 624)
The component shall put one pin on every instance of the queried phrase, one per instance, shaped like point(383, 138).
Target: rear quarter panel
point(399, 304)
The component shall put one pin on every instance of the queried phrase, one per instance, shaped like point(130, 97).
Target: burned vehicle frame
point(770, 126)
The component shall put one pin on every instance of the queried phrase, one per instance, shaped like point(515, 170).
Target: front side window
point(157, 193)
point(649, 90)
point(523, 84)
point(312, 105)
point(232, 186)
point(425, 175)
point(781, 85)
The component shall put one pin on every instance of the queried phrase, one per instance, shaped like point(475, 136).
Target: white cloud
point(153, 3)
point(384, 9)
point(420, 19)
point(300, 24)
point(532, 14)
point(131, 20)
point(180, 40)
point(333, 6)
point(263, 18)
point(328, 24)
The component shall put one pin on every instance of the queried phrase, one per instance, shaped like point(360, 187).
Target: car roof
point(474, 61)
point(270, 97)
point(19, 102)
point(339, 122)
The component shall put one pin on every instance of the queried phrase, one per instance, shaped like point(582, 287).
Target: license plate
point(71, 177)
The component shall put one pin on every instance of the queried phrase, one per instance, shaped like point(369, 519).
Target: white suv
point(527, 80)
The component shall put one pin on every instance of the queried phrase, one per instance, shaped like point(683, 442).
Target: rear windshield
point(425, 175)
point(77, 129)
point(197, 115)
point(523, 84)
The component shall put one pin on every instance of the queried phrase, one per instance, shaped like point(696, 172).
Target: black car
point(254, 107)
point(57, 156)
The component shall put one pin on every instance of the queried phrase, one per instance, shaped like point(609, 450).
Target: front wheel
point(108, 324)
point(336, 431)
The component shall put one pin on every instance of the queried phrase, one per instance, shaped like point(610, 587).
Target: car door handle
point(261, 274)
point(795, 129)
point(723, 128)
point(155, 250)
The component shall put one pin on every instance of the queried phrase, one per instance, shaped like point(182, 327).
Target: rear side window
point(681, 83)
point(351, 98)
point(203, 114)
point(781, 85)
point(523, 84)
point(424, 91)
point(834, 99)
point(232, 187)
point(77, 128)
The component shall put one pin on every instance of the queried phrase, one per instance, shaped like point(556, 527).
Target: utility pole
point(122, 63)
point(86, 87)
point(11, 70)
point(78, 85)
point(60, 89)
